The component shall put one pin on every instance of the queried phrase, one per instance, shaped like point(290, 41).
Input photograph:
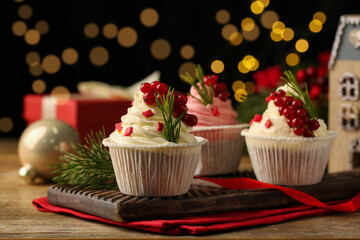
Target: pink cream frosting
point(205, 114)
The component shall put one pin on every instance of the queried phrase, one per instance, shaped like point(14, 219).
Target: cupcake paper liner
point(154, 170)
point(289, 161)
point(222, 153)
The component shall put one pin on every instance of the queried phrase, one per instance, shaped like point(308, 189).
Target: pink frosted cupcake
point(209, 101)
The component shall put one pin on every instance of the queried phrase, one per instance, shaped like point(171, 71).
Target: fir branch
point(166, 106)
point(89, 168)
point(206, 97)
point(300, 94)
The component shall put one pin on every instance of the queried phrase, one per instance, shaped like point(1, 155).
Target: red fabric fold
point(247, 183)
point(199, 224)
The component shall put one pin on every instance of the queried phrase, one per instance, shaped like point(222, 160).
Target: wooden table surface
point(20, 219)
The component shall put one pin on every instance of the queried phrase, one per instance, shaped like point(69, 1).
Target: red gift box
point(84, 113)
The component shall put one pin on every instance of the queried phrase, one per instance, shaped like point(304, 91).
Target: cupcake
point(153, 153)
point(288, 144)
point(209, 101)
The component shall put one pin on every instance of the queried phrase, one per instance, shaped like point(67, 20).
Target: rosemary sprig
point(166, 106)
point(301, 95)
point(89, 168)
point(206, 96)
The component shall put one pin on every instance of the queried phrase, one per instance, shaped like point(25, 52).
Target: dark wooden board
point(202, 198)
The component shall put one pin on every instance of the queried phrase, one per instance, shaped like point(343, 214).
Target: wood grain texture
point(19, 219)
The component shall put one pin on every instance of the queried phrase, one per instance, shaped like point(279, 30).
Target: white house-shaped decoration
point(344, 103)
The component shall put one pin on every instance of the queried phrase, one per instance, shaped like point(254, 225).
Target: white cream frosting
point(279, 125)
point(145, 129)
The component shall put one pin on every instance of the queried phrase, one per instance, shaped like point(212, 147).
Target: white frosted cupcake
point(288, 144)
point(210, 102)
point(146, 163)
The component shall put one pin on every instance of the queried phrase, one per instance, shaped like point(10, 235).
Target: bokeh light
point(160, 49)
point(187, 67)
point(227, 30)
point(257, 7)
point(32, 57)
point(127, 37)
point(237, 85)
point(275, 37)
point(278, 27)
point(240, 95)
point(32, 37)
point(252, 35)
point(36, 69)
point(99, 56)
point(42, 26)
point(222, 16)
point(187, 52)
point(51, 64)
point(315, 26)
point(320, 16)
point(250, 87)
point(247, 24)
point(236, 38)
point(302, 45)
point(292, 59)
point(19, 28)
point(110, 30)
point(242, 68)
point(149, 17)
point(91, 30)
point(6, 124)
point(287, 34)
point(217, 66)
point(61, 93)
point(25, 11)
point(38, 86)
point(248, 63)
point(70, 56)
point(268, 18)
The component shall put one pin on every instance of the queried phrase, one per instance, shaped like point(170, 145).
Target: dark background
point(180, 23)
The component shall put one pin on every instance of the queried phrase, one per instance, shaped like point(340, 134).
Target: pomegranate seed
point(191, 120)
point(223, 96)
point(215, 111)
point(300, 131)
point(297, 122)
point(258, 118)
point(118, 126)
point(149, 98)
point(313, 124)
point(154, 85)
point(289, 113)
point(160, 126)
point(162, 88)
point(251, 122)
point(281, 110)
point(147, 113)
point(268, 123)
point(181, 98)
point(128, 131)
point(268, 99)
point(280, 93)
point(278, 102)
point(288, 100)
point(145, 87)
point(132, 102)
point(296, 104)
point(301, 113)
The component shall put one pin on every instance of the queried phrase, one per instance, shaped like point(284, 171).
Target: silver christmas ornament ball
point(41, 144)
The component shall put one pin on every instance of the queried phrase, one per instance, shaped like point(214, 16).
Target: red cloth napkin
point(199, 224)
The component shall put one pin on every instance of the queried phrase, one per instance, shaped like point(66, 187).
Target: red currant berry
point(154, 85)
point(297, 104)
point(278, 102)
point(149, 98)
point(297, 122)
point(181, 98)
point(179, 108)
point(218, 88)
point(288, 100)
point(191, 120)
point(289, 123)
point(289, 113)
point(273, 95)
point(313, 124)
point(280, 93)
point(207, 80)
point(306, 119)
point(145, 87)
point(301, 113)
point(162, 88)
point(299, 131)
point(308, 134)
point(224, 86)
point(301, 75)
point(214, 79)
point(281, 110)
point(223, 96)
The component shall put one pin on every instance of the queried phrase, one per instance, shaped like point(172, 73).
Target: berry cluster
point(159, 90)
point(219, 88)
point(316, 78)
point(297, 117)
